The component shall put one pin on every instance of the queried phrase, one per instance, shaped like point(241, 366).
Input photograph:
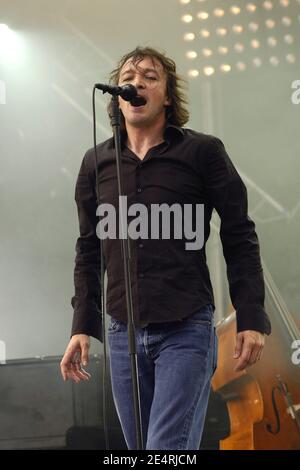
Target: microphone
point(127, 92)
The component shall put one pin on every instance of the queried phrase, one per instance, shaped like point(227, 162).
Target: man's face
point(149, 77)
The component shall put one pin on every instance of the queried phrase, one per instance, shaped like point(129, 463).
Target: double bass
point(263, 401)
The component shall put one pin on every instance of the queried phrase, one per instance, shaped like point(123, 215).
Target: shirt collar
point(173, 127)
point(169, 129)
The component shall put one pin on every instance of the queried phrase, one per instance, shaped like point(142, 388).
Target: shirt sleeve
point(228, 195)
point(87, 279)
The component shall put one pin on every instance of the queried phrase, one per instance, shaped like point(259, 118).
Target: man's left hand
point(248, 349)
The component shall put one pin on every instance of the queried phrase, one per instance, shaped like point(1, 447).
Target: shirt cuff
point(253, 317)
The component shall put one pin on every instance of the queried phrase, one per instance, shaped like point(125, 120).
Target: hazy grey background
point(46, 126)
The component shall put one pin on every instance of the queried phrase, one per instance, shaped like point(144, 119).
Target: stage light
point(202, 15)
point(205, 33)
point(208, 71)
point(189, 36)
point(225, 68)
point(219, 12)
point(257, 62)
point(251, 7)
point(259, 31)
point(289, 39)
point(272, 41)
point(268, 5)
point(291, 58)
point(255, 44)
point(238, 47)
point(11, 46)
point(193, 73)
point(235, 10)
point(270, 23)
point(241, 66)
point(286, 21)
point(237, 28)
point(191, 54)
point(4, 28)
point(253, 27)
point(221, 31)
point(187, 18)
point(274, 61)
point(223, 50)
point(207, 52)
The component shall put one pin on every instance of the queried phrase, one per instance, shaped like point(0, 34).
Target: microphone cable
point(104, 370)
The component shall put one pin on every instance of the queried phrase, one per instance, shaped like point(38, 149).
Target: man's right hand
point(76, 355)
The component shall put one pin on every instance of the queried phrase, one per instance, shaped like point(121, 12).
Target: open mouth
point(138, 101)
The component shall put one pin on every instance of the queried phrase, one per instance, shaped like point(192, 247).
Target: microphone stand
point(116, 122)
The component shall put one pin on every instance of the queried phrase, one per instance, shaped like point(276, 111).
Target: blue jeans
point(176, 361)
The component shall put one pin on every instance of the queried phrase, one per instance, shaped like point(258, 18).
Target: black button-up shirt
point(168, 282)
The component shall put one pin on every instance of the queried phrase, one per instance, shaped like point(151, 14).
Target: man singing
point(173, 304)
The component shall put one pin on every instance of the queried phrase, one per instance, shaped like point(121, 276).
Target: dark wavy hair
point(176, 112)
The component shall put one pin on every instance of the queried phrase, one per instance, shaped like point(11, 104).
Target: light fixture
point(207, 52)
point(235, 10)
point(189, 36)
point(221, 31)
point(270, 23)
point(11, 45)
point(219, 12)
point(225, 68)
point(237, 28)
point(205, 33)
point(187, 18)
point(286, 21)
point(208, 70)
point(272, 41)
point(191, 54)
point(202, 15)
point(253, 27)
point(257, 61)
point(251, 7)
point(268, 5)
point(238, 47)
point(241, 66)
point(193, 73)
point(223, 50)
point(255, 43)
point(289, 39)
point(291, 58)
point(274, 61)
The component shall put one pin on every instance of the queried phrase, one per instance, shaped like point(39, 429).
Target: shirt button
point(141, 275)
point(139, 190)
point(141, 245)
